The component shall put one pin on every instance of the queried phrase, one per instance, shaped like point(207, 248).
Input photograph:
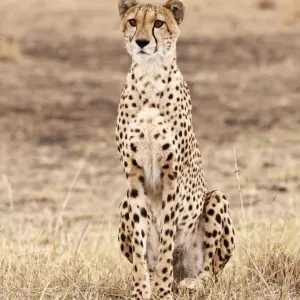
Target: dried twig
point(9, 191)
point(80, 239)
point(69, 195)
point(257, 270)
point(240, 192)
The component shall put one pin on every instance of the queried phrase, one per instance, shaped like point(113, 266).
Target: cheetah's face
point(150, 31)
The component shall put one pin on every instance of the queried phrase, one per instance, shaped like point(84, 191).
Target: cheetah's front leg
point(164, 269)
point(137, 202)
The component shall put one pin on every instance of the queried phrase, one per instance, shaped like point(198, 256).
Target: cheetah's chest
point(151, 133)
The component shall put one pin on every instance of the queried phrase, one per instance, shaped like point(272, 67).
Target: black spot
point(144, 212)
point(172, 215)
point(133, 147)
point(170, 156)
point(135, 163)
point(166, 146)
point(122, 237)
point(134, 193)
point(226, 230)
point(142, 179)
point(164, 270)
point(171, 176)
point(218, 218)
point(226, 244)
point(210, 212)
point(136, 218)
point(225, 208)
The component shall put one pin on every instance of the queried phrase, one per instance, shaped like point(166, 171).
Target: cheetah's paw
point(192, 284)
point(195, 284)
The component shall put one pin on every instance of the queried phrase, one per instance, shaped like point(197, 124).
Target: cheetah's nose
point(142, 43)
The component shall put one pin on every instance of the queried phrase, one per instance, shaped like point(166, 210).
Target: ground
point(62, 66)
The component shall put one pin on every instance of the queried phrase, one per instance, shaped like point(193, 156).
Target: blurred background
point(62, 67)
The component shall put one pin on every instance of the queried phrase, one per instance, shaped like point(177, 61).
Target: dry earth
point(62, 66)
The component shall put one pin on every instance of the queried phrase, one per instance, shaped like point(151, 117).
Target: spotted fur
point(171, 227)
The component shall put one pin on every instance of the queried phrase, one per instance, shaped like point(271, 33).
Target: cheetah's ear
point(177, 8)
point(124, 5)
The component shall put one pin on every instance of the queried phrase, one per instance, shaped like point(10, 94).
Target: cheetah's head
point(150, 31)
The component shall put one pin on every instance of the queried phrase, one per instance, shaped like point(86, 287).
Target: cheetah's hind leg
point(218, 240)
point(219, 235)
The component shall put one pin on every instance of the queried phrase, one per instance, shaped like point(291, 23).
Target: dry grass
point(86, 264)
point(52, 255)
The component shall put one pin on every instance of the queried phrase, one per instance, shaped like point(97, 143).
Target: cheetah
point(172, 228)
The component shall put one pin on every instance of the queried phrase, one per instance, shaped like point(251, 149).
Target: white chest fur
point(149, 152)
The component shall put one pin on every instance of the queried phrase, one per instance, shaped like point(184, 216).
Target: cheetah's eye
point(158, 23)
point(132, 22)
